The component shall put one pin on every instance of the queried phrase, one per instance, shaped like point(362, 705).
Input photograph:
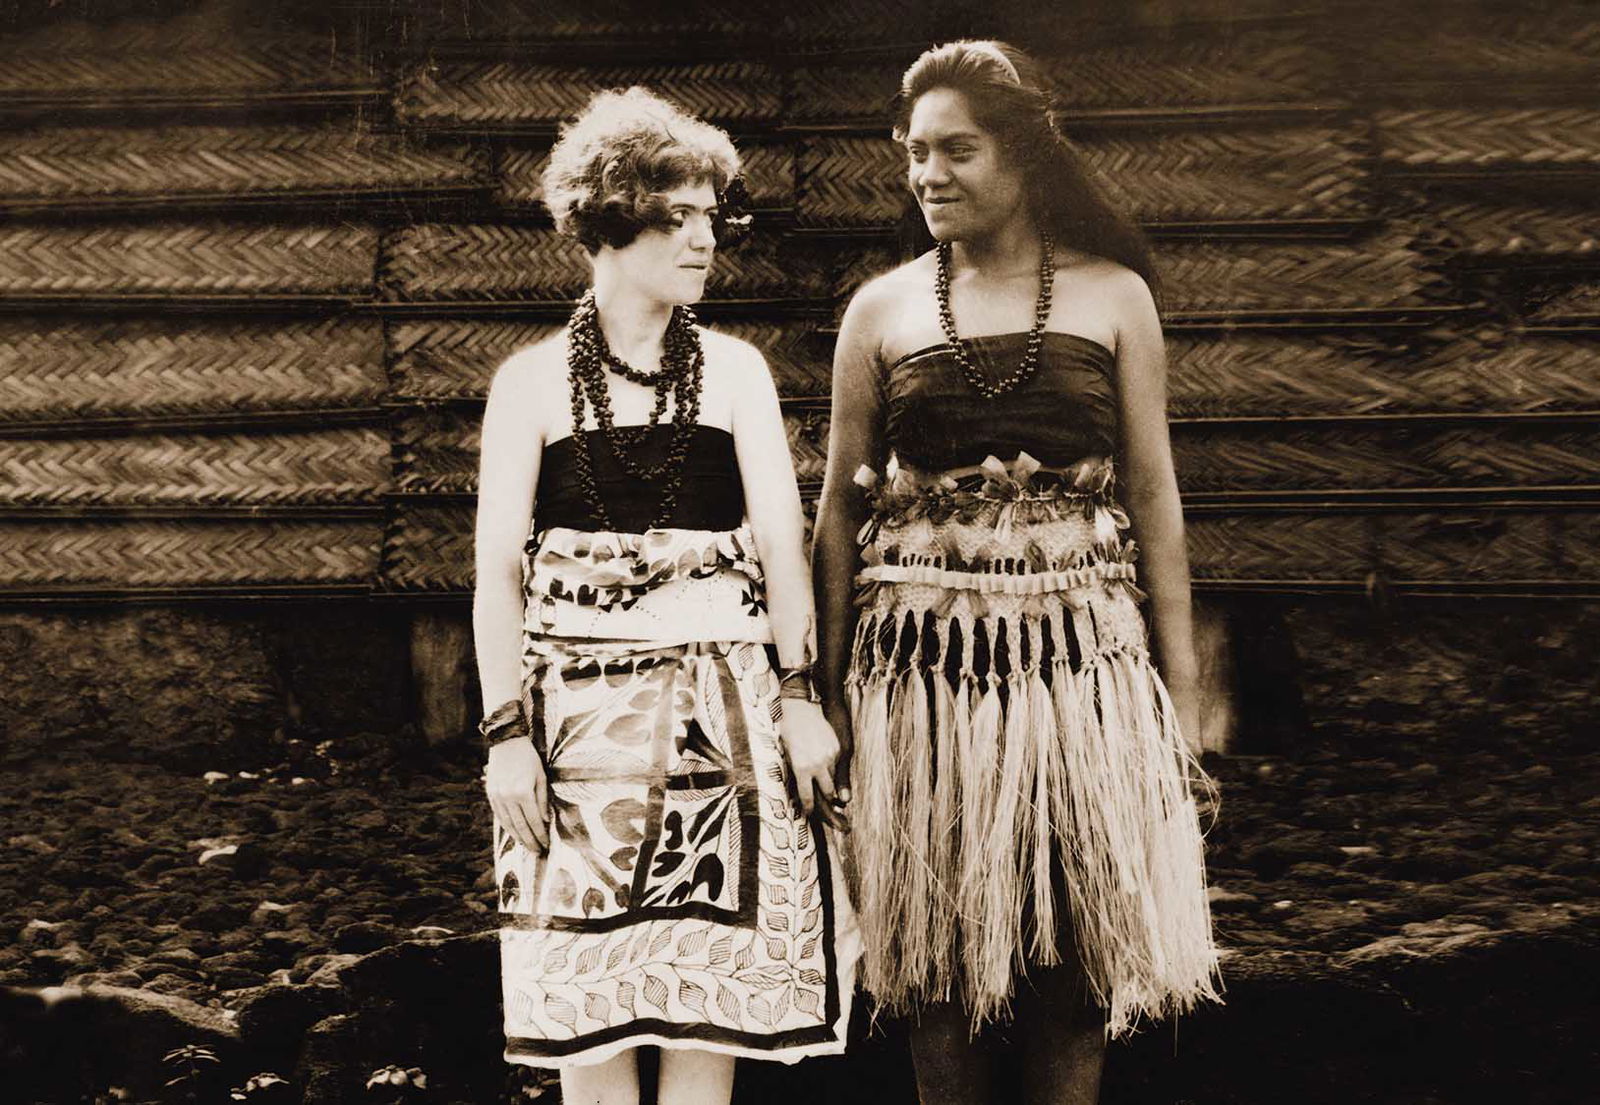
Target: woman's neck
point(634, 324)
point(1013, 247)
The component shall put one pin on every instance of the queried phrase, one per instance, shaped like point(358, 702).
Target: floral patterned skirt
point(685, 900)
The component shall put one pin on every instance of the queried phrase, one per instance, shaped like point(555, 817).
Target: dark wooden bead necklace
point(679, 380)
point(1041, 315)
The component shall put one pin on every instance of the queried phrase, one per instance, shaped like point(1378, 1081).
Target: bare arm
point(1150, 491)
point(772, 502)
point(855, 438)
point(508, 473)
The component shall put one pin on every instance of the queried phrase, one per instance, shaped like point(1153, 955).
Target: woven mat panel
point(472, 94)
point(1235, 175)
point(1307, 546)
point(1526, 373)
point(1355, 457)
point(437, 450)
point(455, 358)
point(1579, 303)
point(1382, 273)
point(437, 261)
point(822, 93)
point(186, 259)
point(1189, 70)
point(1489, 139)
point(429, 547)
point(808, 443)
point(850, 181)
point(190, 552)
point(853, 265)
point(1466, 546)
point(801, 364)
point(1520, 230)
point(337, 465)
point(1246, 373)
point(498, 20)
point(768, 168)
point(181, 164)
point(1578, 545)
point(1477, 50)
point(105, 368)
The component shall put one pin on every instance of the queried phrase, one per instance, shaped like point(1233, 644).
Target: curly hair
point(611, 164)
point(1010, 96)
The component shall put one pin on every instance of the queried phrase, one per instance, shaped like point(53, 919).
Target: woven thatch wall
point(256, 269)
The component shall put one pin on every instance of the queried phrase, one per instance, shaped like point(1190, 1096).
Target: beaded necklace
point(1041, 314)
point(679, 379)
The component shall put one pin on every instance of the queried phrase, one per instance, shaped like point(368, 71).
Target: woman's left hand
point(812, 748)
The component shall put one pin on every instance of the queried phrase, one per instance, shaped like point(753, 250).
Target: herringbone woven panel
point(808, 443)
point(1283, 547)
point(437, 451)
point(587, 19)
point(1376, 458)
point(857, 264)
point(1578, 545)
point(1530, 373)
point(1382, 273)
point(186, 259)
point(1237, 175)
point(1254, 67)
point(896, 21)
point(188, 553)
point(822, 93)
point(112, 63)
point(181, 164)
point(525, 94)
point(1271, 374)
point(338, 465)
point(1484, 229)
point(154, 367)
point(429, 548)
point(435, 261)
point(1480, 51)
point(1470, 546)
point(1498, 139)
point(455, 358)
point(768, 174)
point(1579, 303)
point(1241, 175)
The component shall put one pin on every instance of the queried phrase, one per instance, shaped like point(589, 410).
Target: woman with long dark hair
point(1024, 818)
point(643, 618)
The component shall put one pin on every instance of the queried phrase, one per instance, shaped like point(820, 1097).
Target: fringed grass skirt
point(685, 900)
point(1018, 770)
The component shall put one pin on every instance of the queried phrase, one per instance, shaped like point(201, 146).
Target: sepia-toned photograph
point(799, 552)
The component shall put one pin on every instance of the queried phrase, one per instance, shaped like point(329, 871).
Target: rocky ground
point(1408, 887)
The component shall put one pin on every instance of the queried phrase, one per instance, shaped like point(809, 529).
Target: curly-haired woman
point(644, 628)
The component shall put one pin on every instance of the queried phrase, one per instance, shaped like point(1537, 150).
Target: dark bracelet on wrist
point(797, 683)
point(505, 722)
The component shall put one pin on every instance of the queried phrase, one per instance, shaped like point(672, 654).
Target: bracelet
point(505, 722)
point(797, 683)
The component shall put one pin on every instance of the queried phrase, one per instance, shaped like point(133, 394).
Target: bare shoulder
point(887, 290)
point(1114, 283)
point(533, 368)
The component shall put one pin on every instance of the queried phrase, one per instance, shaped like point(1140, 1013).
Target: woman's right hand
point(518, 792)
point(838, 716)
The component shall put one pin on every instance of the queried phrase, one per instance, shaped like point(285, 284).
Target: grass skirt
point(685, 901)
point(1018, 769)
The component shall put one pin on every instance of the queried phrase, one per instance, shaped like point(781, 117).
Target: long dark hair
point(1009, 96)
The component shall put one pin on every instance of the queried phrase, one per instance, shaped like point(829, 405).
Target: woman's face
point(670, 263)
point(964, 183)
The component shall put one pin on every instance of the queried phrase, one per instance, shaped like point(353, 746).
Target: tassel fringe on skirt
point(1020, 780)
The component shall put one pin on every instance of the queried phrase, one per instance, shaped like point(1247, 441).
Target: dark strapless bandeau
point(936, 420)
point(710, 497)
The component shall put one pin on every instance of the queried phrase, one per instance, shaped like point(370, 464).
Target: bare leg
point(614, 1082)
point(695, 1078)
point(952, 1067)
point(1062, 1033)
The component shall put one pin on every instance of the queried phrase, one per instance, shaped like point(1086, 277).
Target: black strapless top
point(710, 497)
point(936, 420)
